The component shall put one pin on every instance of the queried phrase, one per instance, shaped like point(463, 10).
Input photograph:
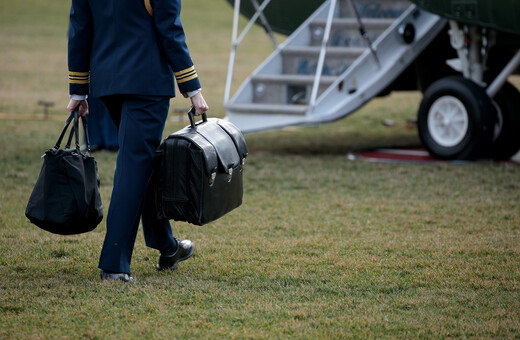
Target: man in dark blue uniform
point(128, 52)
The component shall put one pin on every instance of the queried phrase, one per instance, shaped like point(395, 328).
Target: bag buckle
point(212, 178)
point(229, 174)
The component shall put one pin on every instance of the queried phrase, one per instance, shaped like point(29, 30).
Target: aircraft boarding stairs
point(327, 69)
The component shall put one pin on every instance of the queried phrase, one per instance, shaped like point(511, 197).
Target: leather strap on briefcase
point(219, 139)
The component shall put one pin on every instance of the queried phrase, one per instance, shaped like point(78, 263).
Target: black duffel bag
point(66, 199)
point(198, 171)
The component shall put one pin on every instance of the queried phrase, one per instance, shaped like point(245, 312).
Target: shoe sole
point(129, 279)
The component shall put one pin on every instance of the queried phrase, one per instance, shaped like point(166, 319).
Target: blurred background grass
point(322, 246)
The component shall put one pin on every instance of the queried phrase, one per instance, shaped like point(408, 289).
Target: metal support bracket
point(236, 40)
point(323, 52)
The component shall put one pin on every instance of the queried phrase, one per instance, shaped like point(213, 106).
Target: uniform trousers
point(101, 130)
point(140, 121)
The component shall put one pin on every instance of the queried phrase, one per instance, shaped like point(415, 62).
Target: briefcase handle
point(191, 114)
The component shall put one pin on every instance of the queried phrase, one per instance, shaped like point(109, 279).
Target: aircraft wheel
point(506, 139)
point(455, 119)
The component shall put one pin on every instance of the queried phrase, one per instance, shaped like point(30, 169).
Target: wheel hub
point(448, 121)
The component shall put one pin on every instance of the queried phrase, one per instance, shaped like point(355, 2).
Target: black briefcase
point(198, 171)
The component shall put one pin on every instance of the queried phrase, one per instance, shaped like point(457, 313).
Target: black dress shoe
point(184, 251)
point(116, 276)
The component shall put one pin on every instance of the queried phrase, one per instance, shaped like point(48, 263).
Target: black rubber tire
point(478, 110)
point(506, 140)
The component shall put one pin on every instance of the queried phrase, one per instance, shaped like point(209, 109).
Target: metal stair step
point(331, 51)
point(286, 88)
point(300, 79)
point(252, 108)
point(304, 59)
point(345, 31)
point(374, 9)
point(351, 23)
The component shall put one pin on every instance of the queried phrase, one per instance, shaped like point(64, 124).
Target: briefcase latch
point(229, 174)
point(212, 178)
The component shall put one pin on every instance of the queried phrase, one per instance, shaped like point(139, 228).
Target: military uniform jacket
point(126, 47)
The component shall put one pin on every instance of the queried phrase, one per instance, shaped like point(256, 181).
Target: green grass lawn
point(322, 247)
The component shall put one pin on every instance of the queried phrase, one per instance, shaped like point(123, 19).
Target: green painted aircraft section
point(284, 16)
point(501, 15)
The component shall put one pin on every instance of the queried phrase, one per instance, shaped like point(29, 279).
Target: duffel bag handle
point(85, 132)
point(74, 132)
point(74, 118)
point(64, 130)
point(191, 114)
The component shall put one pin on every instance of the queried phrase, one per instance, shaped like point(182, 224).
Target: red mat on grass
point(396, 155)
point(417, 155)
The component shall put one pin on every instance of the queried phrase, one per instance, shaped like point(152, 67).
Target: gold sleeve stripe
point(79, 77)
point(180, 73)
point(186, 75)
point(148, 6)
point(78, 73)
point(183, 80)
point(73, 81)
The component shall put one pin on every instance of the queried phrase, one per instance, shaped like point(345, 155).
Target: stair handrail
point(363, 32)
point(265, 24)
point(323, 52)
point(236, 40)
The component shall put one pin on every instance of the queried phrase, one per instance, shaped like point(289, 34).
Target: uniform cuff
point(79, 82)
point(78, 96)
point(192, 93)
